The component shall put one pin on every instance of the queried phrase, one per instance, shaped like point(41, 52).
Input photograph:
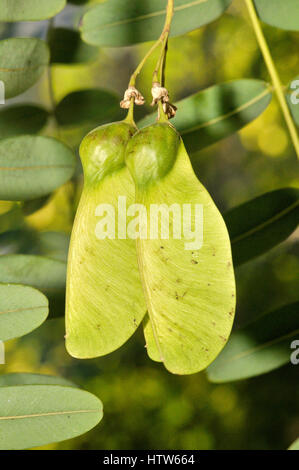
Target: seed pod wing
point(189, 281)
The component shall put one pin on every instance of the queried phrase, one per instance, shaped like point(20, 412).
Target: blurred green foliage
point(145, 406)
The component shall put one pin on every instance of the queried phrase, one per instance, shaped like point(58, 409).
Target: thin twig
point(169, 14)
point(158, 72)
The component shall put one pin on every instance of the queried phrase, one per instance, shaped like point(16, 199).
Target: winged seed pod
point(104, 298)
point(190, 293)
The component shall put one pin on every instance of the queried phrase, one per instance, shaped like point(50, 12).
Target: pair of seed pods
point(185, 297)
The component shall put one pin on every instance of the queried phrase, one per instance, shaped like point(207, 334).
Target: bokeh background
point(145, 406)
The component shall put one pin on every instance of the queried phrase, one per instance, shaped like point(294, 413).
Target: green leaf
point(281, 13)
point(45, 274)
point(17, 241)
point(22, 62)
point(22, 119)
point(33, 166)
point(88, 106)
point(29, 10)
point(120, 23)
point(260, 224)
point(79, 2)
point(66, 47)
point(189, 286)
point(54, 245)
point(260, 347)
point(22, 309)
point(12, 219)
point(35, 415)
point(295, 445)
point(293, 99)
point(217, 112)
point(32, 379)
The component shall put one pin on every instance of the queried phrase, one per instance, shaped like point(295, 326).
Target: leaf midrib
point(52, 413)
point(38, 18)
point(22, 309)
point(229, 114)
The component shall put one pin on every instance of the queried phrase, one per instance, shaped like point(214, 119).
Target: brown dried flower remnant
point(160, 93)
